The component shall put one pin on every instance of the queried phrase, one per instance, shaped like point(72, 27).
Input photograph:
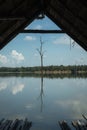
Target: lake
point(44, 101)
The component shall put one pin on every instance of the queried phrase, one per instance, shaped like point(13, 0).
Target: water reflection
point(41, 94)
point(18, 88)
point(14, 89)
point(3, 86)
point(58, 99)
point(29, 106)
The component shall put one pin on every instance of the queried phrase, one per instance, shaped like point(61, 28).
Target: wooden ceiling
point(69, 15)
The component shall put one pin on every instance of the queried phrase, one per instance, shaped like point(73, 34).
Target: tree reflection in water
point(41, 94)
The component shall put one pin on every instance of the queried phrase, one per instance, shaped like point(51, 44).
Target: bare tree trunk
point(41, 64)
point(41, 55)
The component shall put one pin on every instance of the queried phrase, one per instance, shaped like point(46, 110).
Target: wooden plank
point(8, 125)
point(60, 123)
point(84, 117)
point(42, 31)
point(13, 32)
point(74, 123)
point(79, 125)
point(72, 35)
point(64, 125)
point(14, 125)
point(27, 125)
point(20, 125)
point(11, 18)
point(4, 124)
point(1, 121)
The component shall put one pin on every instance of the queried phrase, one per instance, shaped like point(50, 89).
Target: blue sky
point(21, 51)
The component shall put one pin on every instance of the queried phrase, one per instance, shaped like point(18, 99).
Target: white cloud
point(29, 38)
point(63, 40)
point(3, 59)
point(17, 56)
point(80, 61)
point(17, 89)
point(38, 27)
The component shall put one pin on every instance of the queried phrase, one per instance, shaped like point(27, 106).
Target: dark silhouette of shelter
point(69, 15)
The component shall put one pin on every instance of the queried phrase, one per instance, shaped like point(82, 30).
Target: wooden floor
point(26, 125)
point(15, 125)
point(78, 124)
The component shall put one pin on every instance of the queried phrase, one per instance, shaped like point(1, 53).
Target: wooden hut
point(69, 15)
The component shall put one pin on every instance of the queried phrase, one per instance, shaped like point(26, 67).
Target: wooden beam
point(73, 36)
point(42, 31)
point(58, 20)
point(65, 7)
point(10, 18)
point(18, 29)
point(21, 16)
point(2, 2)
point(64, 19)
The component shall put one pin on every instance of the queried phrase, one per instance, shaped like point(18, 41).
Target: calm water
point(43, 101)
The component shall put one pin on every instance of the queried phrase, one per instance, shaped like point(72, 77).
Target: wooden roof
point(69, 15)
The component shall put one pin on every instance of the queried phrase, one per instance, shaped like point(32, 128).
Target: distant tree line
point(46, 69)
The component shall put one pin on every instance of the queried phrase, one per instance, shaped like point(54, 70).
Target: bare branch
point(41, 53)
point(38, 51)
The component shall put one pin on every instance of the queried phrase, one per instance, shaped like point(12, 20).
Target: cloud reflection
point(29, 106)
point(17, 89)
point(73, 106)
point(39, 117)
point(3, 86)
point(68, 103)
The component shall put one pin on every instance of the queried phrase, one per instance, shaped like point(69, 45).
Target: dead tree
point(41, 52)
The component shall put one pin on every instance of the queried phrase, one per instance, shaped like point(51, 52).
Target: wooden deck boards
point(77, 124)
point(26, 125)
point(15, 125)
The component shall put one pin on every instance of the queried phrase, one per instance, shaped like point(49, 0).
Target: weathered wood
point(14, 125)
point(64, 125)
point(4, 124)
point(8, 125)
point(75, 125)
point(11, 18)
point(61, 125)
point(71, 32)
point(27, 124)
point(1, 121)
point(84, 117)
point(20, 124)
point(42, 31)
point(65, 13)
point(79, 125)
